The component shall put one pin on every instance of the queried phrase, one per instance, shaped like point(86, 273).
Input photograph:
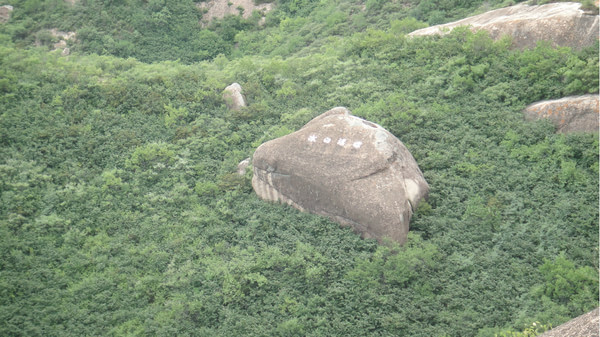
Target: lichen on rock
point(569, 114)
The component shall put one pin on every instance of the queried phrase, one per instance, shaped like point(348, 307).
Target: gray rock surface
point(234, 99)
point(242, 166)
point(353, 171)
point(5, 13)
point(569, 114)
point(562, 23)
point(585, 325)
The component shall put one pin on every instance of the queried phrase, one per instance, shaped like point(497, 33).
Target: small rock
point(5, 13)
point(62, 37)
point(60, 45)
point(569, 114)
point(233, 97)
point(242, 166)
point(66, 52)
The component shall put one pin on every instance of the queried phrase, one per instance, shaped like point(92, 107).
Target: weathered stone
point(63, 35)
point(5, 13)
point(353, 171)
point(242, 166)
point(220, 8)
point(233, 97)
point(62, 38)
point(562, 24)
point(569, 114)
point(62, 44)
point(585, 325)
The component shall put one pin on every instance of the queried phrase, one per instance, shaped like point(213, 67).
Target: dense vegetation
point(158, 30)
point(121, 212)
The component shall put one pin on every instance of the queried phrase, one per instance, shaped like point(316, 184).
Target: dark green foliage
point(159, 30)
point(147, 30)
point(566, 284)
point(121, 212)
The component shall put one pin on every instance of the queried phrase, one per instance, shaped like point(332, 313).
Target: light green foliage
point(577, 71)
point(121, 212)
point(395, 265)
point(211, 45)
point(297, 119)
point(566, 284)
point(111, 179)
point(534, 330)
point(589, 6)
point(173, 115)
point(151, 155)
point(406, 25)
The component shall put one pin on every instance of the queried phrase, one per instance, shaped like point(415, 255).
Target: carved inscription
point(340, 141)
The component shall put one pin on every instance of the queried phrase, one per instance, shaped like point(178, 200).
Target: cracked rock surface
point(346, 168)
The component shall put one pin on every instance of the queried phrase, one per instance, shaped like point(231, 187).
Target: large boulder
point(562, 24)
point(234, 99)
point(353, 171)
point(584, 325)
point(569, 114)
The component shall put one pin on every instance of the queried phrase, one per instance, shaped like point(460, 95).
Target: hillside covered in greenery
point(121, 212)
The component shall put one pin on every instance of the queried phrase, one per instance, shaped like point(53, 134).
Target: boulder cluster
point(563, 24)
point(360, 175)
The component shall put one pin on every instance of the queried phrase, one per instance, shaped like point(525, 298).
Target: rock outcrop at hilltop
point(562, 24)
point(584, 325)
point(221, 8)
point(569, 114)
point(353, 171)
